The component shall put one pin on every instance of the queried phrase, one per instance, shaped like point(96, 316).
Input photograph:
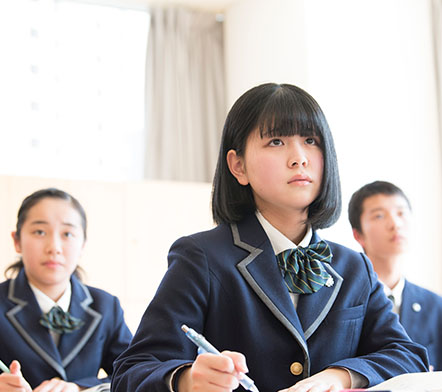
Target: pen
point(4, 368)
point(205, 346)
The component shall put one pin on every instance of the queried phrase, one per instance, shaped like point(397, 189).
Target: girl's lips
point(51, 263)
point(300, 179)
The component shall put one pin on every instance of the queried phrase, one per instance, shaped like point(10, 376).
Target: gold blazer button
point(296, 368)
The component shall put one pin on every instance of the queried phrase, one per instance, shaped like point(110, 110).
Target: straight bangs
point(287, 113)
point(275, 110)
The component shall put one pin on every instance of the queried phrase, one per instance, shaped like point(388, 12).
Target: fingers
point(15, 368)
point(57, 385)
point(14, 380)
point(314, 386)
point(239, 361)
point(217, 370)
point(212, 372)
point(329, 380)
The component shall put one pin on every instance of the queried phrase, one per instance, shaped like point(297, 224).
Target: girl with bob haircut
point(56, 332)
point(295, 312)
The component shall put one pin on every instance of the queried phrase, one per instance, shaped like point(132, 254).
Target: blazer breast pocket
point(345, 328)
point(344, 314)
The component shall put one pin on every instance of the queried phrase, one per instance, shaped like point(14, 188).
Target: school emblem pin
point(330, 282)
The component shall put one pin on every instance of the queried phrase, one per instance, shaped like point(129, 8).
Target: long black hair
point(29, 202)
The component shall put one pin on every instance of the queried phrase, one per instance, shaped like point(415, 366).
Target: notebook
point(105, 387)
point(412, 382)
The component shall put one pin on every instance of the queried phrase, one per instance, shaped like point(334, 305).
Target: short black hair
point(276, 110)
point(368, 190)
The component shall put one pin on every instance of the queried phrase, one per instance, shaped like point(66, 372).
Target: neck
point(388, 269)
point(294, 227)
point(54, 292)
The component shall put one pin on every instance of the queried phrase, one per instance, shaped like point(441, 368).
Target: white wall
point(369, 65)
point(265, 41)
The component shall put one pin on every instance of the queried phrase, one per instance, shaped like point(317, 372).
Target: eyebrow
point(376, 209)
point(42, 222)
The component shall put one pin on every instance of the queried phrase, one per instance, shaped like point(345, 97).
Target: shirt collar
point(46, 303)
point(278, 240)
point(396, 291)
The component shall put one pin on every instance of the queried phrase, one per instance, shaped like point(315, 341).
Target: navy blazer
point(226, 284)
point(80, 354)
point(421, 316)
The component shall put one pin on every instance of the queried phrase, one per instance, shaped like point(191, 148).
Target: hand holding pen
point(12, 378)
point(205, 346)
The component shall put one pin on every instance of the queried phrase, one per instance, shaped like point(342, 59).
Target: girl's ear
point(236, 167)
point(16, 242)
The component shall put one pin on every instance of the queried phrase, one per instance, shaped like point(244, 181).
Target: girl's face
point(50, 242)
point(285, 173)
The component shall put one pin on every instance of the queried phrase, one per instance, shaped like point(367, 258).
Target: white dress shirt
point(395, 294)
point(281, 243)
point(46, 304)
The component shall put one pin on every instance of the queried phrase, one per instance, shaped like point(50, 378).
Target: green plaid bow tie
point(303, 270)
point(59, 321)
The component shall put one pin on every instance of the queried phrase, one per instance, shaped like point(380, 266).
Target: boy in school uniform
point(379, 214)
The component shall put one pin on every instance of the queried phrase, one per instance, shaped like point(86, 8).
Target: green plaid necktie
point(303, 270)
point(59, 321)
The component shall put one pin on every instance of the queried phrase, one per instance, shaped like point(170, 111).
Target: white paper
point(412, 382)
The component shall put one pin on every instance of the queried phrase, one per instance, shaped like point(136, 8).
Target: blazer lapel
point(25, 317)
point(71, 343)
point(313, 308)
point(406, 313)
point(261, 271)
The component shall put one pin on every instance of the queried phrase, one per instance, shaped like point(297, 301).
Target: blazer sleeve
point(159, 346)
point(117, 339)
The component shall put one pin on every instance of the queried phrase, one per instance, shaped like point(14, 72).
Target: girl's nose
point(53, 245)
point(298, 157)
point(299, 162)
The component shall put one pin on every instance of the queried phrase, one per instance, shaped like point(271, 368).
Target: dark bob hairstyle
point(276, 110)
point(29, 202)
point(355, 206)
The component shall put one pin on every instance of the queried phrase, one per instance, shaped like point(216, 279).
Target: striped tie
point(59, 321)
point(303, 270)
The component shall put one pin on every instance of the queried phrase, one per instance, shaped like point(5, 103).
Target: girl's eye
point(68, 234)
point(276, 142)
point(39, 232)
point(311, 140)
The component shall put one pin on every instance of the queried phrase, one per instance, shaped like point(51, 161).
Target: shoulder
point(219, 233)
point(422, 293)
point(352, 264)
point(4, 288)
point(218, 236)
point(348, 257)
point(5, 284)
point(95, 295)
point(101, 294)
